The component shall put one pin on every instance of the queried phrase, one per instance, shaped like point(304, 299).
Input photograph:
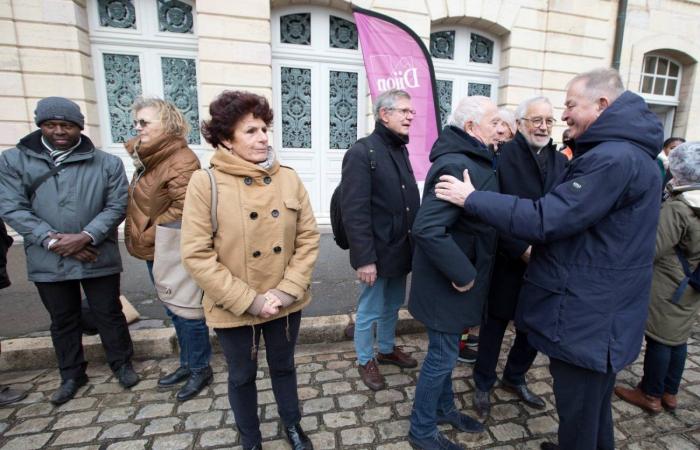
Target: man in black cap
point(66, 198)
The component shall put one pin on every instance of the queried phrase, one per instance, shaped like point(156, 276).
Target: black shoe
point(9, 395)
point(197, 381)
point(297, 438)
point(462, 422)
point(126, 375)
point(548, 446)
point(68, 389)
point(482, 403)
point(533, 400)
point(467, 355)
point(438, 442)
point(179, 375)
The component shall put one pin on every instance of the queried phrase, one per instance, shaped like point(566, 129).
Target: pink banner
point(396, 58)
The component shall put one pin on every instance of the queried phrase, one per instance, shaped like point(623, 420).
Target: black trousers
point(62, 301)
point(520, 357)
point(583, 405)
point(239, 345)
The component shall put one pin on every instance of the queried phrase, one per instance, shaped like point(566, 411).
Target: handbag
point(174, 285)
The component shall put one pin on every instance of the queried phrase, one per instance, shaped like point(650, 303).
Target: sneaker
point(472, 341)
point(467, 355)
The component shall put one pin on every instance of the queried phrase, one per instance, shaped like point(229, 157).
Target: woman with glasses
point(164, 164)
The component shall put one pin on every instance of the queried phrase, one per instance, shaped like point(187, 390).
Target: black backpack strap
point(684, 282)
point(39, 181)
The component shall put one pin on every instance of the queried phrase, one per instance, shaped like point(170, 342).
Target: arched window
point(319, 91)
point(142, 48)
point(660, 85)
point(466, 63)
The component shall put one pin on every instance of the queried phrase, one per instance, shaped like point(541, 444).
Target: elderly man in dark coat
point(586, 289)
point(528, 167)
point(451, 268)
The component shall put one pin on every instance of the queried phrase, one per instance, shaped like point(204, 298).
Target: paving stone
point(309, 368)
point(335, 365)
point(303, 378)
point(106, 388)
point(75, 420)
point(476, 440)
point(397, 446)
point(145, 385)
point(357, 436)
point(542, 425)
point(306, 393)
point(394, 429)
point(266, 397)
point(77, 436)
point(388, 396)
point(218, 438)
point(269, 429)
point(504, 412)
point(173, 442)
point(195, 405)
point(376, 414)
point(156, 396)
point(508, 432)
point(161, 426)
point(404, 409)
point(398, 380)
point(323, 441)
point(317, 405)
point(339, 387)
point(120, 431)
point(38, 409)
point(221, 403)
point(352, 400)
point(125, 398)
point(203, 420)
point(77, 404)
point(309, 423)
point(157, 410)
point(30, 426)
point(340, 419)
point(328, 375)
point(116, 414)
point(32, 442)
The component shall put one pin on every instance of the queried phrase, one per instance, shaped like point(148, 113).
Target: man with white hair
point(451, 267)
point(586, 289)
point(528, 167)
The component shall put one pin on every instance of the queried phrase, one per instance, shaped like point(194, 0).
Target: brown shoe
point(370, 375)
point(397, 358)
point(638, 398)
point(669, 401)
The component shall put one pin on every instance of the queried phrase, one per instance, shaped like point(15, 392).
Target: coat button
point(277, 249)
point(256, 253)
point(408, 209)
point(403, 186)
point(267, 180)
point(248, 181)
point(275, 213)
point(253, 215)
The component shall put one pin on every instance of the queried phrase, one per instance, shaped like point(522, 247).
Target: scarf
point(59, 156)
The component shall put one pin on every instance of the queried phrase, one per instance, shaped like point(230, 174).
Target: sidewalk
point(339, 412)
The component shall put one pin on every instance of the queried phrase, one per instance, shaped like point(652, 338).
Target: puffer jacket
point(156, 192)
point(267, 238)
point(679, 225)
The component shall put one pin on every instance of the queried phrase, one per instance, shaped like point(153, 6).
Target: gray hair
point(522, 108)
point(684, 163)
point(507, 116)
point(603, 82)
point(387, 99)
point(469, 109)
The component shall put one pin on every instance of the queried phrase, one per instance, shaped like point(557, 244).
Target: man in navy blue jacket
point(586, 289)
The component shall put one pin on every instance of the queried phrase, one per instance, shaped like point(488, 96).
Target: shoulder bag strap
point(214, 201)
point(39, 181)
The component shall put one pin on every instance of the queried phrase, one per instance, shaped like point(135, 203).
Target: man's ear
point(603, 103)
point(383, 113)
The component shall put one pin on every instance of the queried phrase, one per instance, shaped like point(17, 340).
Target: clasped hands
point(75, 245)
point(271, 306)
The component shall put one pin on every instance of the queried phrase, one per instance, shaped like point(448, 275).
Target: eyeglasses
point(142, 123)
point(404, 111)
point(538, 121)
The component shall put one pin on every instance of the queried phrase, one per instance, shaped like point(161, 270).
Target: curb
point(156, 343)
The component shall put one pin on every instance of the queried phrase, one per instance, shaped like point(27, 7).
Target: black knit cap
point(58, 108)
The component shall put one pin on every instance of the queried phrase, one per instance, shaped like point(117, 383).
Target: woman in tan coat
point(164, 164)
point(256, 270)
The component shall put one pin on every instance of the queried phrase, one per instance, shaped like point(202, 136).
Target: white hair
point(387, 99)
point(522, 108)
point(507, 116)
point(603, 82)
point(469, 109)
point(684, 163)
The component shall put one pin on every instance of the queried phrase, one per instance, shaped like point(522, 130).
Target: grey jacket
point(90, 195)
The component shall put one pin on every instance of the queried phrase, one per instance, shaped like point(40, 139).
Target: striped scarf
point(59, 156)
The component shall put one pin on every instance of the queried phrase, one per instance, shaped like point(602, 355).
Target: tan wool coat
point(156, 194)
point(267, 238)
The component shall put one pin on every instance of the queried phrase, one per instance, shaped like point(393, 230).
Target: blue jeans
point(434, 396)
point(663, 368)
point(192, 337)
point(379, 303)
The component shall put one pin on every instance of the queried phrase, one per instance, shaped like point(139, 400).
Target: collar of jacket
point(31, 144)
point(232, 164)
point(390, 138)
point(156, 151)
point(455, 140)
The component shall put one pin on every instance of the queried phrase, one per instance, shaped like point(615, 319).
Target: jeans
point(192, 337)
point(240, 349)
point(379, 303)
point(583, 404)
point(62, 300)
point(663, 368)
point(520, 357)
point(434, 396)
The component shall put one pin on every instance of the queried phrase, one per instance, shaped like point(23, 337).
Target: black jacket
point(519, 174)
point(380, 204)
point(451, 247)
point(5, 242)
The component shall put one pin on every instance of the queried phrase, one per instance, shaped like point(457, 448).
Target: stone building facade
point(303, 55)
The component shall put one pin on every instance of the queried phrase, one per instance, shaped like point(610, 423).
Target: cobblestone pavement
point(339, 411)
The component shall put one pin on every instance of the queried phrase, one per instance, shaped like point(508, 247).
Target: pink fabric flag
point(396, 58)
